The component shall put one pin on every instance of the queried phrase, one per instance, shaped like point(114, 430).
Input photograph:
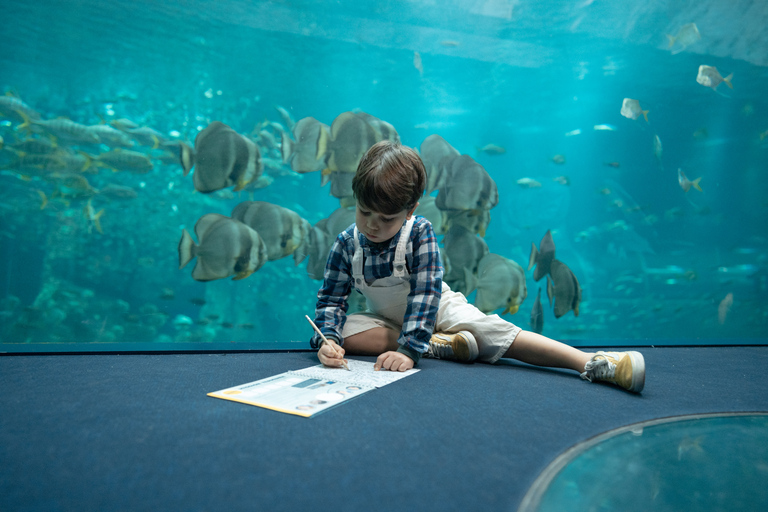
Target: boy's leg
point(372, 342)
point(539, 350)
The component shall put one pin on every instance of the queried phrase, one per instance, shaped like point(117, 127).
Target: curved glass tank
point(698, 462)
point(631, 138)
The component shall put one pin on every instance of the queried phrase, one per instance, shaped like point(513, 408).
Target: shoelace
point(601, 369)
point(441, 348)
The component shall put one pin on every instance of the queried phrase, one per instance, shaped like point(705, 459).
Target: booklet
point(311, 390)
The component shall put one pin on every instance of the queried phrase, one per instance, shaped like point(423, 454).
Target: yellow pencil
point(343, 362)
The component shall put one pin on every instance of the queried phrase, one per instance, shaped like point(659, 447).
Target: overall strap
point(398, 266)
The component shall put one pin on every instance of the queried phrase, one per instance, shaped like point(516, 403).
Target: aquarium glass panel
point(173, 174)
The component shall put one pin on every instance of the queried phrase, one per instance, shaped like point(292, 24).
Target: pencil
point(343, 362)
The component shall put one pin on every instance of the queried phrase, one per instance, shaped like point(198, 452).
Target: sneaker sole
point(638, 371)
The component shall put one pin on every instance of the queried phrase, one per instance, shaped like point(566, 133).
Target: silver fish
point(631, 109)
point(464, 249)
point(537, 315)
point(468, 186)
point(433, 149)
point(566, 289)
point(225, 247)
point(125, 160)
point(350, 137)
point(710, 77)
point(224, 158)
point(500, 284)
point(284, 231)
point(301, 151)
point(542, 258)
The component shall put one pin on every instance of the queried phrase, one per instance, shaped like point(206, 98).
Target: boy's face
point(380, 227)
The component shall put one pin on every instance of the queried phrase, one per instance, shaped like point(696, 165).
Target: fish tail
point(671, 40)
point(322, 143)
point(97, 222)
point(187, 249)
point(645, 115)
point(187, 156)
point(26, 122)
point(88, 161)
point(43, 198)
point(157, 142)
point(696, 185)
point(533, 256)
point(286, 147)
point(728, 79)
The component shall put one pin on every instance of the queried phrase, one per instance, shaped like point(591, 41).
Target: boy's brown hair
point(390, 178)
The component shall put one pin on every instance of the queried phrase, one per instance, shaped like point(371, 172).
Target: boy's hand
point(393, 361)
point(330, 354)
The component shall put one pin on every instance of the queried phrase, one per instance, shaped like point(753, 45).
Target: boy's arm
point(424, 298)
point(331, 308)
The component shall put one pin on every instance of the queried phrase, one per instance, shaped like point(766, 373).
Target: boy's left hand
point(393, 361)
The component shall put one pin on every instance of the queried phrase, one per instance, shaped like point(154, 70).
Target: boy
point(392, 258)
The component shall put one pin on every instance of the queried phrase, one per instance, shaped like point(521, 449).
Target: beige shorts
point(493, 334)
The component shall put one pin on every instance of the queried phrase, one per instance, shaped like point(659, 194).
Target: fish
point(657, 149)
point(448, 43)
point(338, 221)
point(301, 150)
point(283, 231)
point(475, 221)
point(573, 133)
point(111, 136)
point(563, 180)
point(349, 138)
point(225, 247)
point(464, 250)
point(604, 128)
point(93, 217)
point(13, 107)
point(550, 291)
point(177, 151)
point(631, 109)
point(417, 63)
point(710, 77)
point(429, 210)
point(492, 149)
point(500, 283)
point(167, 294)
point(114, 191)
point(528, 183)
point(146, 136)
point(468, 186)
point(542, 258)
point(615, 165)
point(34, 146)
point(125, 160)
point(224, 158)
point(566, 287)
point(685, 183)
point(724, 308)
point(537, 315)
point(558, 159)
point(433, 150)
point(286, 117)
point(320, 243)
point(62, 130)
point(686, 36)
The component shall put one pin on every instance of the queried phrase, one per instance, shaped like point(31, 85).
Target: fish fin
point(26, 122)
point(187, 249)
point(322, 144)
point(157, 142)
point(728, 79)
point(97, 222)
point(240, 185)
point(512, 309)
point(696, 185)
point(286, 147)
point(187, 157)
point(671, 41)
point(242, 275)
point(43, 198)
point(88, 161)
point(533, 256)
point(645, 115)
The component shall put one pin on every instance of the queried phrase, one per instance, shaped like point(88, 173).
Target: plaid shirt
point(425, 269)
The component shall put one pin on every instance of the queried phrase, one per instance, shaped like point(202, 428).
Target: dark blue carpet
point(137, 432)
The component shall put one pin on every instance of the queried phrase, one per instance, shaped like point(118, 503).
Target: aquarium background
point(543, 80)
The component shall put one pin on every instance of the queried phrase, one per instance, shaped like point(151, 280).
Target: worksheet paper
point(311, 390)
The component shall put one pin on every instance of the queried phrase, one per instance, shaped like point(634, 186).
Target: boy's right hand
point(331, 354)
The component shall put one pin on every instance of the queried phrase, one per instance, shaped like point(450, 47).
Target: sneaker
point(625, 369)
point(455, 347)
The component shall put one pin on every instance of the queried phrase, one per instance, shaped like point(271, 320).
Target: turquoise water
point(655, 263)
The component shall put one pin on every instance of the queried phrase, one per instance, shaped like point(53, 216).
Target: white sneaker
point(625, 369)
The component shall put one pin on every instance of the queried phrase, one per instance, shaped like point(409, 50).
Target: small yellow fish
point(710, 77)
point(685, 183)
